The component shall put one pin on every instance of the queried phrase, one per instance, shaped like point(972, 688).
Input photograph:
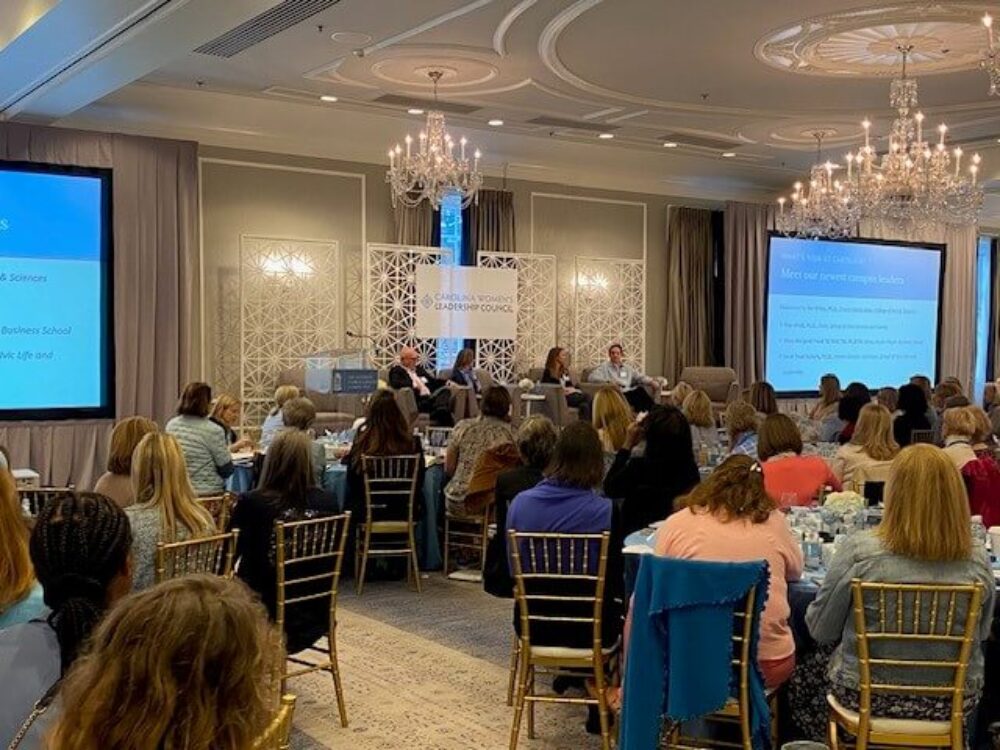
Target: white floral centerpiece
point(841, 511)
point(842, 502)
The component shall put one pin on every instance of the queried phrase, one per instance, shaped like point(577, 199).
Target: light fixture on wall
point(991, 58)
point(429, 169)
point(286, 266)
point(591, 281)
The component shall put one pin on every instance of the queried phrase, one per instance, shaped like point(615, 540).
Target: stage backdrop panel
point(609, 308)
point(466, 302)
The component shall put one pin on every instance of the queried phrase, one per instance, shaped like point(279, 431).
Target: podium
point(340, 371)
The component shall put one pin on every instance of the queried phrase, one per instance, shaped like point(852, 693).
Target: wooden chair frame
point(208, 554)
point(472, 534)
point(379, 472)
point(308, 541)
point(33, 499)
point(922, 436)
point(896, 594)
point(220, 507)
point(594, 661)
point(278, 732)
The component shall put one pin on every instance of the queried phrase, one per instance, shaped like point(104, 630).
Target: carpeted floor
point(424, 671)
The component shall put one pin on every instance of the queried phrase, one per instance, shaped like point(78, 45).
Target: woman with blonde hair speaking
point(166, 508)
point(871, 443)
point(188, 664)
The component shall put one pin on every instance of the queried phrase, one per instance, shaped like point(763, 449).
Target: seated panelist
point(616, 372)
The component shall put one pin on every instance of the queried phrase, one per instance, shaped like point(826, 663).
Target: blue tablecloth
point(335, 481)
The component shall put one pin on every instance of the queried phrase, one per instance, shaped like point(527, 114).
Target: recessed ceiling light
point(669, 144)
point(415, 111)
point(728, 154)
point(496, 122)
point(606, 136)
point(328, 98)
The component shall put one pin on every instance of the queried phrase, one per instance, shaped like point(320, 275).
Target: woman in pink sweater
point(789, 477)
point(730, 518)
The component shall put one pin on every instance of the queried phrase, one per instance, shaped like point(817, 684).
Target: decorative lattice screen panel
point(504, 359)
point(390, 301)
point(289, 308)
point(609, 306)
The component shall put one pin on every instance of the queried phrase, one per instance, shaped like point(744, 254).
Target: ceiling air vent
point(702, 141)
point(269, 23)
point(409, 102)
point(559, 122)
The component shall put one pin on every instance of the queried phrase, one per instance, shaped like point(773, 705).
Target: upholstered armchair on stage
point(720, 383)
point(334, 411)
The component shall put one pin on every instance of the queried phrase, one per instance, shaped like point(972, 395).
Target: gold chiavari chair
point(559, 584)
point(466, 532)
point(736, 712)
point(276, 736)
point(34, 499)
point(219, 506)
point(921, 436)
point(210, 554)
point(889, 619)
point(390, 497)
point(309, 556)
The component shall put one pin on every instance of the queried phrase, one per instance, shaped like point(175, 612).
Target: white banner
point(466, 302)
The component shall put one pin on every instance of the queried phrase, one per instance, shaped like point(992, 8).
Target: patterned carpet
point(427, 672)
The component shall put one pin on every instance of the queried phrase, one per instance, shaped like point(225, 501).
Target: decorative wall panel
point(226, 375)
point(609, 306)
point(504, 359)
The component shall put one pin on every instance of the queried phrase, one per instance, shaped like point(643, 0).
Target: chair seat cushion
point(890, 726)
point(561, 652)
point(389, 527)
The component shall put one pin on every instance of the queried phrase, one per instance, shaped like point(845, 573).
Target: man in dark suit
point(432, 394)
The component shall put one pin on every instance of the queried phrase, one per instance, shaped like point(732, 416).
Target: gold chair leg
point(602, 706)
point(484, 538)
point(515, 654)
point(413, 561)
point(364, 561)
point(531, 704)
point(522, 686)
point(335, 672)
point(833, 735)
point(447, 529)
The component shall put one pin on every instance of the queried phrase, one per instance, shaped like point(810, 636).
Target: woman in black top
point(649, 484)
point(463, 372)
point(557, 372)
point(913, 405)
point(286, 491)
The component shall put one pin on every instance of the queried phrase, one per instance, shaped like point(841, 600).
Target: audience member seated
point(848, 412)
point(924, 384)
point(463, 372)
point(116, 482)
point(274, 420)
point(166, 509)
point(632, 382)
point(432, 394)
point(789, 477)
point(20, 593)
point(226, 414)
point(944, 391)
point(299, 414)
point(470, 438)
point(648, 484)
point(924, 538)
point(829, 396)
point(612, 416)
point(871, 444)
point(679, 394)
point(80, 552)
point(912, 414)
point(536, 441)
point(191, 663)
point(730, 518)
point(889, 398)
point(762, 398)
point(206, 452)
point(959, 426)
point(556, 372)
point(698, 411)
point(983, 442)
point(286, 492)
point(5, 464)
point(741, 427)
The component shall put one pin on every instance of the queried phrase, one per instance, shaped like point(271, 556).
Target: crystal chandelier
point(991, 62)
point(913, 182)
point(822, 207)
point(433, 170)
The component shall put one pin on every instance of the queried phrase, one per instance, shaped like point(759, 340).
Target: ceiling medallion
point(944, 37)
point(434, 170)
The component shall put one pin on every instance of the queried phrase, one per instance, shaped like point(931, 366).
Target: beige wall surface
point(281, 195)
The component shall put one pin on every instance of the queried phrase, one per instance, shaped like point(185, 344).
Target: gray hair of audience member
point(299, 413)
point(536, 441)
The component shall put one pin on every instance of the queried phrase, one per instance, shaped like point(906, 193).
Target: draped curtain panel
point(491, 222)
point(690, 304)
point(745, 229)
point(414, 225)
point(155, 204)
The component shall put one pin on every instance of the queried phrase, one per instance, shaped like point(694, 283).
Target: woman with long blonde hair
point(872, 443)
point(166, 508)
point(697, 409)
point(829, 397)
point(924, 538)
point(116, 482)
point(612, 416)
point(188, 665)
point(20, 594)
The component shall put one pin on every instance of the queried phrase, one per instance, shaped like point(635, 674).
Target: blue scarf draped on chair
point(680, 652)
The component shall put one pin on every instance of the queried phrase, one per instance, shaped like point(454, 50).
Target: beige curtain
point(958, 303)
point(746, 226)
point(690, 304)
point(491, 222)
point(155, 204)
point(414, 226)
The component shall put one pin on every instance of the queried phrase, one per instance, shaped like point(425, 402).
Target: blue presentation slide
point(866, 312)
point(51, 314)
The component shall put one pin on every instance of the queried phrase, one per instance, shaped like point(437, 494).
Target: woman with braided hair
point(80, 548)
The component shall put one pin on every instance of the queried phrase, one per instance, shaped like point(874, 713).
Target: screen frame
point(939, 247)
point(108, 406)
